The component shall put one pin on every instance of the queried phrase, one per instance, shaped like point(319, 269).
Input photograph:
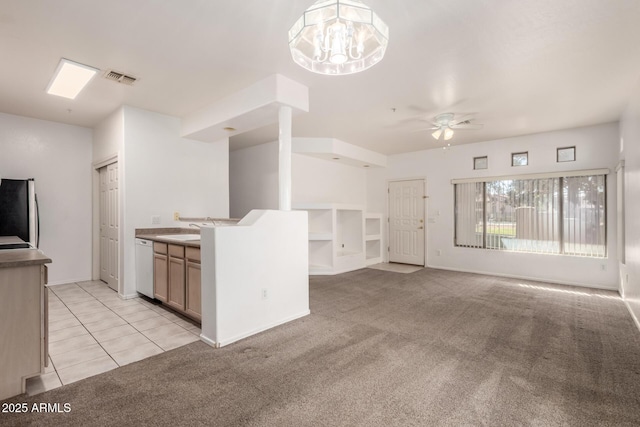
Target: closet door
point(109, 225)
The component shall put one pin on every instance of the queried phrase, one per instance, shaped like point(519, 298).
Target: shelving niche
point(336, 238)
point(373, 238)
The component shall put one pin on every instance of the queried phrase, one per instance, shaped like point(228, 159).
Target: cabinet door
point(194, 299)
point(176, 283)
point(160, 280)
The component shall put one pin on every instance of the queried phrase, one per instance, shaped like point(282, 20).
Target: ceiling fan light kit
point(448, 134)
point(445, 124)
point(338, 37)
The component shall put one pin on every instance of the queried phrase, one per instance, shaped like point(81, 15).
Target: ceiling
point(520, 67)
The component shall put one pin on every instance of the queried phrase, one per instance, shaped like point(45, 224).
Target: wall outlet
point(155, 219)
point(265, 293)
point(176, 216)
point(439, 252)
point(603, 267)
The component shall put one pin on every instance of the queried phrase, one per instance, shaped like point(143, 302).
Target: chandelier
point(338, 37)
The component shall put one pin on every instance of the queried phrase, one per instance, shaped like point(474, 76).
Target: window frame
point(560, 216)
point(560, 150)
point(520, 153)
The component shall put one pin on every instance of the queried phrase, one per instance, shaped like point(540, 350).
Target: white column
point(284, 161)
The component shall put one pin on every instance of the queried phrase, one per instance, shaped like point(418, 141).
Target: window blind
point(548, 215)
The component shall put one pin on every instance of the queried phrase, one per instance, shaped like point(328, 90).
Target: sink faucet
point(194, 225)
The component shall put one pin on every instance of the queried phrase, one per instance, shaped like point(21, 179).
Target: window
point(480, 162)
point(566, 154)
point(554, 215)
point(520, 159)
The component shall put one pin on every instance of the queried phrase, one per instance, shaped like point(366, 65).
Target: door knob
point(420, 228)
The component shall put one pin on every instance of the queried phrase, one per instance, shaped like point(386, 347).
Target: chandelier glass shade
point(338, 37)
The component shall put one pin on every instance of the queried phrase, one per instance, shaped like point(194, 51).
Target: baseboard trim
point(208, 341)
point(633, 316)
point(222, 343)
point(67, 282)
point(534, 279)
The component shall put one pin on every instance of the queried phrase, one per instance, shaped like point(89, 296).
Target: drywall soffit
point(251, 108)
point(339, 151)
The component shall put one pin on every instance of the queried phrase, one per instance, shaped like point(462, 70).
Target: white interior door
point(109, 227)
point(104, 217)
point(406, 222)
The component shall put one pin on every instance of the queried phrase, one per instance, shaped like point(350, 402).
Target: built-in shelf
point(336, 237)
point(320, 236)
point(373, 238)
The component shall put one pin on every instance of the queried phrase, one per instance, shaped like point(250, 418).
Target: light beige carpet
point(396, 268)
point(431, 348)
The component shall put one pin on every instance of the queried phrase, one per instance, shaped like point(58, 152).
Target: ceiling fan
point(445, 124)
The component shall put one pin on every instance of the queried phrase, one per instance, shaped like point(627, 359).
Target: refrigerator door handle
point(37, 221)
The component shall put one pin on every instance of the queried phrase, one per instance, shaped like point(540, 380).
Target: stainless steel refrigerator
point(19, 210)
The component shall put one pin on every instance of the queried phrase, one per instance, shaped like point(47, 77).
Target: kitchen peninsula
point(236, 277)
point(23, 315)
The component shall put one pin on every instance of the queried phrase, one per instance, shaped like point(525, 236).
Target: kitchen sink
point(182, 237)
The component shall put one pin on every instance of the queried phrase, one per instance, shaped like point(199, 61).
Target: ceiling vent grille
point(120, 77)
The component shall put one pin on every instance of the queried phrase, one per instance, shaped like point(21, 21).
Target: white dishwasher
point(144, 267)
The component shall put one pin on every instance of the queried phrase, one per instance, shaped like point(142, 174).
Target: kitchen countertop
point(156, 235)
point(10, 258)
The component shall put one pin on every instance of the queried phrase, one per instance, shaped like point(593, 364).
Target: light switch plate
point(155, 219)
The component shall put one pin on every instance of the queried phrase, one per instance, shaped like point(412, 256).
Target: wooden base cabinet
point(23, 327)
point(177, 279)
point(193, 285)
point(160, 271)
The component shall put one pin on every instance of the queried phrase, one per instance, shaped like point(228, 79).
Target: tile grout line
point(83, 325)
point(147, 306)
point(125, 320)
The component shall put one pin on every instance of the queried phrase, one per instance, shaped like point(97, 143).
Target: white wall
point(108, 142)
point(163, 174)
point(630, 138)
point(325, 181)
point(108, 136)
point(254, 180)
point(596, 147)
point(254, 275)
point(58, 156)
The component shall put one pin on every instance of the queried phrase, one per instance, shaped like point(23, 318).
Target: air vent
point(119, 77)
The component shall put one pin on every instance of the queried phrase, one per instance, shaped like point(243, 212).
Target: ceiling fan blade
point(425, 129)
point(463, 118)
point(467, 127)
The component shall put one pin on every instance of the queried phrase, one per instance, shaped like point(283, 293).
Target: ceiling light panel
point(70, 78)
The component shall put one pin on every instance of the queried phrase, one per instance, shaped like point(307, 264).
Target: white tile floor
point(92, 330)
